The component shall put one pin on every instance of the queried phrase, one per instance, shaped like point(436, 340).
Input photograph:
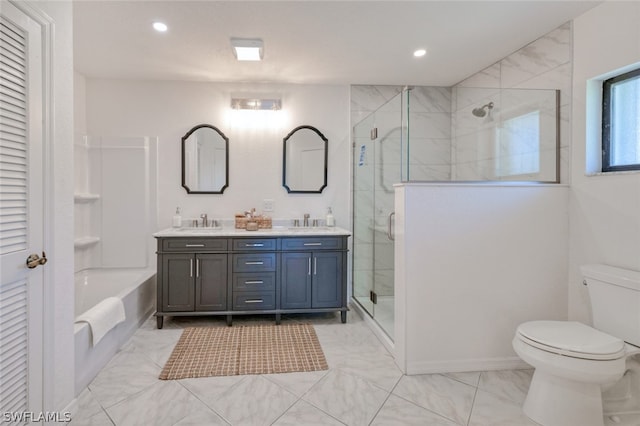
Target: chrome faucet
point(306, 219)
point(205, 221)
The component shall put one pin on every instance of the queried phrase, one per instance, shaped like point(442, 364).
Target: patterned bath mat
point(230, 351)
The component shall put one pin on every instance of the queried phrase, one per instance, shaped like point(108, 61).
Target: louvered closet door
point(21, 213)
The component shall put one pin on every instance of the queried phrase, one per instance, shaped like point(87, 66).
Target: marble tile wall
point(546, 63)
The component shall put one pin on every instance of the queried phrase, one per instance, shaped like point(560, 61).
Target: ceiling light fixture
point(160, 27)
point(420, 53)
point(256, 104)
point(246, 49)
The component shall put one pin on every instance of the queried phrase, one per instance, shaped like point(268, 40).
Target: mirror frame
point(284, 160)
point(226, 147)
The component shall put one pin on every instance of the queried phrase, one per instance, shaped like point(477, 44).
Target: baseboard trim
point(459, 366)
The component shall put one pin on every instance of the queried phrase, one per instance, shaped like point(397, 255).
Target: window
point(621, 122)
point(519, 151)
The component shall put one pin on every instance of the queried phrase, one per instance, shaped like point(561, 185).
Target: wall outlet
point(267, 205)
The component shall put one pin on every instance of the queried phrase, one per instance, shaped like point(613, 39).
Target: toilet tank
point(615, 300)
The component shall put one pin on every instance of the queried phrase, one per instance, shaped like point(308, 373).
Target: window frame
point(606, 123)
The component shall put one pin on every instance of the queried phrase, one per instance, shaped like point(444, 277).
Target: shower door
point(378, 141)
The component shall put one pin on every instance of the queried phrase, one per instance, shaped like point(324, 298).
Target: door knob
point(34, 260)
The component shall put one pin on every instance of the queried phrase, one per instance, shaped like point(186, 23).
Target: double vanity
point(208, 271)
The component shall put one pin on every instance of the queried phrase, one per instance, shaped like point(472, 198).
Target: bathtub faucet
point(205, 221)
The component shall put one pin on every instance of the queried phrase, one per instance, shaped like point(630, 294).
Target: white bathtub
point(136, 288)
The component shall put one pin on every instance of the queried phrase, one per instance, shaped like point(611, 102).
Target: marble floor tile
point(494, 410)
point(99, 419)
point(470, 378)
point(363, 386)
point(85, 405)
point(303, 413)
point(375, 366)
point(156, 344)
point(296, 383)
point(163, 404)
point(350, 399)
point(510, 384)
point(400, 412)
point(254, 400)
point(126, 374)
point(209, 389)
point(438, 393)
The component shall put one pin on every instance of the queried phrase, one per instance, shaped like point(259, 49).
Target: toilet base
point(554, 401)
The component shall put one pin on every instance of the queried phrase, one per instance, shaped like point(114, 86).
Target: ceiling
point(310, 42)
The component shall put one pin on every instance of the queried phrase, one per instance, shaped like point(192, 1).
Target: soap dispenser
point(177, 219)
point(330, 219)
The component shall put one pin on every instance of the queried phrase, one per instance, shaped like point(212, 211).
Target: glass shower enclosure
point(440, 134)
point(379, 146)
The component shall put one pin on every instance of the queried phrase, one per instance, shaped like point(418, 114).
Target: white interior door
point(21, 213)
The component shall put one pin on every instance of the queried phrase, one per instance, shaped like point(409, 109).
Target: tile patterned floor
point(362, 387)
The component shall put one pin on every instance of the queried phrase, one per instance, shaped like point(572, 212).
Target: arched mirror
point(205, 160)
point(304, 167)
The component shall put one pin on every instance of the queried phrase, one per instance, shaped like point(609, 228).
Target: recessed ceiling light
point(160, 26)
point(247, 49)
point(420, 53)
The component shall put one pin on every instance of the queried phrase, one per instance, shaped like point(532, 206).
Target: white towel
point(103, 317)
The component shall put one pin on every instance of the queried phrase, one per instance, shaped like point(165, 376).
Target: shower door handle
point(390, 226)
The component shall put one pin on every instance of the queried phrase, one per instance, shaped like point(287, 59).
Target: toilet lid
point(572, 338)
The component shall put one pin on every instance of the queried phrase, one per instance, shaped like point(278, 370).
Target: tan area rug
point(230, 351)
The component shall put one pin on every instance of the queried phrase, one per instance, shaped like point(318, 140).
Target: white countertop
point(276, 231)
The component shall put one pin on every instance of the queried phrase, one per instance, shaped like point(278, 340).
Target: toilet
point(573, 361)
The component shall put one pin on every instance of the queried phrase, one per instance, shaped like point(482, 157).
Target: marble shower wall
point(545, 63)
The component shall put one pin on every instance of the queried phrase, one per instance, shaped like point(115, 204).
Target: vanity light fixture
point(161, 27)
point(419, 53)
point(256, 104)
point(247, 49)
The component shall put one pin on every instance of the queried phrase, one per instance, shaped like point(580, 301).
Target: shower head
point(482, 111)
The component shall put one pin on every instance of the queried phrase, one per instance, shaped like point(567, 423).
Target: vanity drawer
point(312, 243)
point(252, 281)
point(255, 244)
point(254, 262)
point(194, 244)
point(250, 301)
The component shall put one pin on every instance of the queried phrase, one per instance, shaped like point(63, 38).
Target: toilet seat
point(571, 339)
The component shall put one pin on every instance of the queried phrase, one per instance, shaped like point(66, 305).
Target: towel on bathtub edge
point(103, 317)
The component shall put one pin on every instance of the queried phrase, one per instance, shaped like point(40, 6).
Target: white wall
point(472, 263)
point(168, 109)
point(604, 209)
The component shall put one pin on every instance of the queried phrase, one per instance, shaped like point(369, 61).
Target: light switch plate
point(267, 205)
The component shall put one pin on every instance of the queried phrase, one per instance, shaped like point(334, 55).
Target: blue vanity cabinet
point(193, 282)
point(255, 262)
point(192, 276)
point(211, 282)
point(238, 275)
point(313, 274)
